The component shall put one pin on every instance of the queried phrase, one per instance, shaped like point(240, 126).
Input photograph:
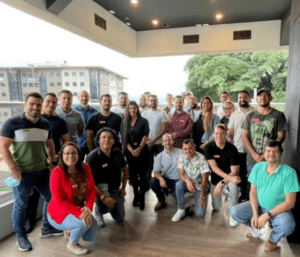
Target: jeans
point(233, 196)
point(156, 188)
point(283, 224)
point(40, 181)
point(181, 189)
point(78, 229)
point(117, 211)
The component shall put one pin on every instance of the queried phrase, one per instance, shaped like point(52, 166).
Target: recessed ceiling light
point(134, 2)
point(198, 25)
point(112, 12)
point(126, 18)
point(219, 16)
point(205, 25)
point(128, 23)
point(155, 22)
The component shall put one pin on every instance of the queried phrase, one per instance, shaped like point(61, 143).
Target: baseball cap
point(264, 90)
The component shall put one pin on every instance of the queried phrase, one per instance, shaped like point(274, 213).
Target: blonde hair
point(208, 117)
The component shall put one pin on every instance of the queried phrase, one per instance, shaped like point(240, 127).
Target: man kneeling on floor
point(193, 174)
point(165, 171)
point(110, 174)
point(272, 196)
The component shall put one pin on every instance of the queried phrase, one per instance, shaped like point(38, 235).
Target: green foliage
point(211, 74)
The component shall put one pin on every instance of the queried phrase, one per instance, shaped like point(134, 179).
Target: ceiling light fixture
point(155, 22)
point(112, 11)
point(198, 25)
point(126, 18)
point(128, 23)
point(134, 2)
point(219, 16)
point(205, 25)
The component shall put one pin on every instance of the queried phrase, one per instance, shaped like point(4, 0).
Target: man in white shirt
point(123, 101)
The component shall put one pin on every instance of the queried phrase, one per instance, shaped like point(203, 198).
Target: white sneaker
point(100, 221)
point(256, 233)
point(232, 222)
point(178, 215)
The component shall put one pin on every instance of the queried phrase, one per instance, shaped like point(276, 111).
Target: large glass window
point(74, 84)
point(74, 74)
point(67, 84)
point(82, 84)
point(58, 74)
point(51, 84)
point(66, 74)
point(51, 74)
point(30, 84)
point(81, 73)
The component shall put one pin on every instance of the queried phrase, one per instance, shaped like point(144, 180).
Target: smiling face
point(169, 100)
point(132, 110)
point(123, 100)
point(178, 103)
point(167, 141)
point(70, 156)
point(189, 149)
point(83, 98)
point(264, 99)
point(206, 105)
point(153, 102)
point(272, 155)
point(106, 140)
point(49, 104)
point(228, 108)
point(33, 107)
point(65, 101)
point(224, 98)
point(243, 100)
point(220, 136)
point(143, 101)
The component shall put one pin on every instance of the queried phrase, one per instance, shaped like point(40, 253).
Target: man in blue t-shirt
point(272, 196)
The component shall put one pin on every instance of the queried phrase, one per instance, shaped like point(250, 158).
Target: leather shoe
point(159, 205)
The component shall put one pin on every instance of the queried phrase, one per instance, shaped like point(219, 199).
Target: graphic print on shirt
point(261, 131)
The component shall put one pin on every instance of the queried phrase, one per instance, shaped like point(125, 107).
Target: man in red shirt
point(181, 124)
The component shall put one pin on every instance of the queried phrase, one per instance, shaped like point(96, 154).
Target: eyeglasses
point(227, 109)
point(72, 154)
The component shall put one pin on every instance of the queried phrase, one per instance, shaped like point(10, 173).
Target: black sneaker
point(50, 232)
point(23, 243)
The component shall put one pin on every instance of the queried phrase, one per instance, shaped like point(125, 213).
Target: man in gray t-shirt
point(123, 101)
point(261, 125)
point(73, 119)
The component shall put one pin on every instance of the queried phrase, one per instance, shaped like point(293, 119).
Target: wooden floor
point(150, 233)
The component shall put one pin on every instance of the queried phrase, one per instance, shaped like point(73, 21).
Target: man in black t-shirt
point(104, 118)
point(223, 160)
point(110, 174)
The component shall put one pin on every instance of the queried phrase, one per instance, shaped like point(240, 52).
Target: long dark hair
point(78, 166)
point(127, 120)
point(208, 117)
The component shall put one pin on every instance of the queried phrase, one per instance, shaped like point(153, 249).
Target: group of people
point(87, 156)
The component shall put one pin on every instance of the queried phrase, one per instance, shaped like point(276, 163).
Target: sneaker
point(269, 246)
point(255, 233)
point(100, 221)
point(50, 232)
point(232, 222)
point(23, 243)
point(159, 205)
point(178, 215)
point(77, 249)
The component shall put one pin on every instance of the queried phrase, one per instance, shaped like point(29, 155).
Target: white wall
point(213, 39)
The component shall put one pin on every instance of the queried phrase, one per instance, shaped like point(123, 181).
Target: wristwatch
point(202, 196)
point(222, 182)
point(270, 215)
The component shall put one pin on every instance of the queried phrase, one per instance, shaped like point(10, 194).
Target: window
point(3, 94)
point(82, 84)
point(30, 84)
point(67, 84)
point(81, 73)
point(36, 84)
point(51, 84)
point(66, 74)
point(5, 114)
point(51, 74)
point(2, 85)
point(24, 75)
point(59, 84)
point(58, 74)
point(24, 84)
point(75, 94)
point(74, 74)
point(74, 84)
point(29, 75)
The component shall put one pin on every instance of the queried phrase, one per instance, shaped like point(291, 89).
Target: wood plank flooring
point(150, 233)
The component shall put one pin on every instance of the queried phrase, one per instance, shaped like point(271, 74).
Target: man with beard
point(73, 119)
point(123, 101)
point(143, 104)
point(236, 120)
point(86, 111)
point(165, 171)
point(261, 125)
point(194, 109)
point(99, 120)
point(181, 124)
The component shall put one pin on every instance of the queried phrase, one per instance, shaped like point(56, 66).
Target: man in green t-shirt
point(272, 196)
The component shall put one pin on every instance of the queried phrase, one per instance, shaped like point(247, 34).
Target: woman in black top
point(134, 131)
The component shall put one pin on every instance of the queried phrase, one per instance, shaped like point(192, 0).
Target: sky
point(36, 41)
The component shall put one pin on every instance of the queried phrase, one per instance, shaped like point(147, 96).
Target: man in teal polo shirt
point(272, 196)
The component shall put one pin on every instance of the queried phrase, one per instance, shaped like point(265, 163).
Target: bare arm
point(189, 183)
point(160, 178)
point(249, 147)
point(288, 204)
point(230, 134)
point(50, 149)
point(204, 183)
point(144, 140)
point(65, 138)
point(280, 136)
point(231, 177)
point(5, 143)
point(89, 139)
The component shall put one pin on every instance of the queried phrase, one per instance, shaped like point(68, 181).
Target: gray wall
point(292, 108)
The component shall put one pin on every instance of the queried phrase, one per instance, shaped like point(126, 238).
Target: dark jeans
point(117, 211)
point(157, 189)
point(40, 181)
point(33, 202)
